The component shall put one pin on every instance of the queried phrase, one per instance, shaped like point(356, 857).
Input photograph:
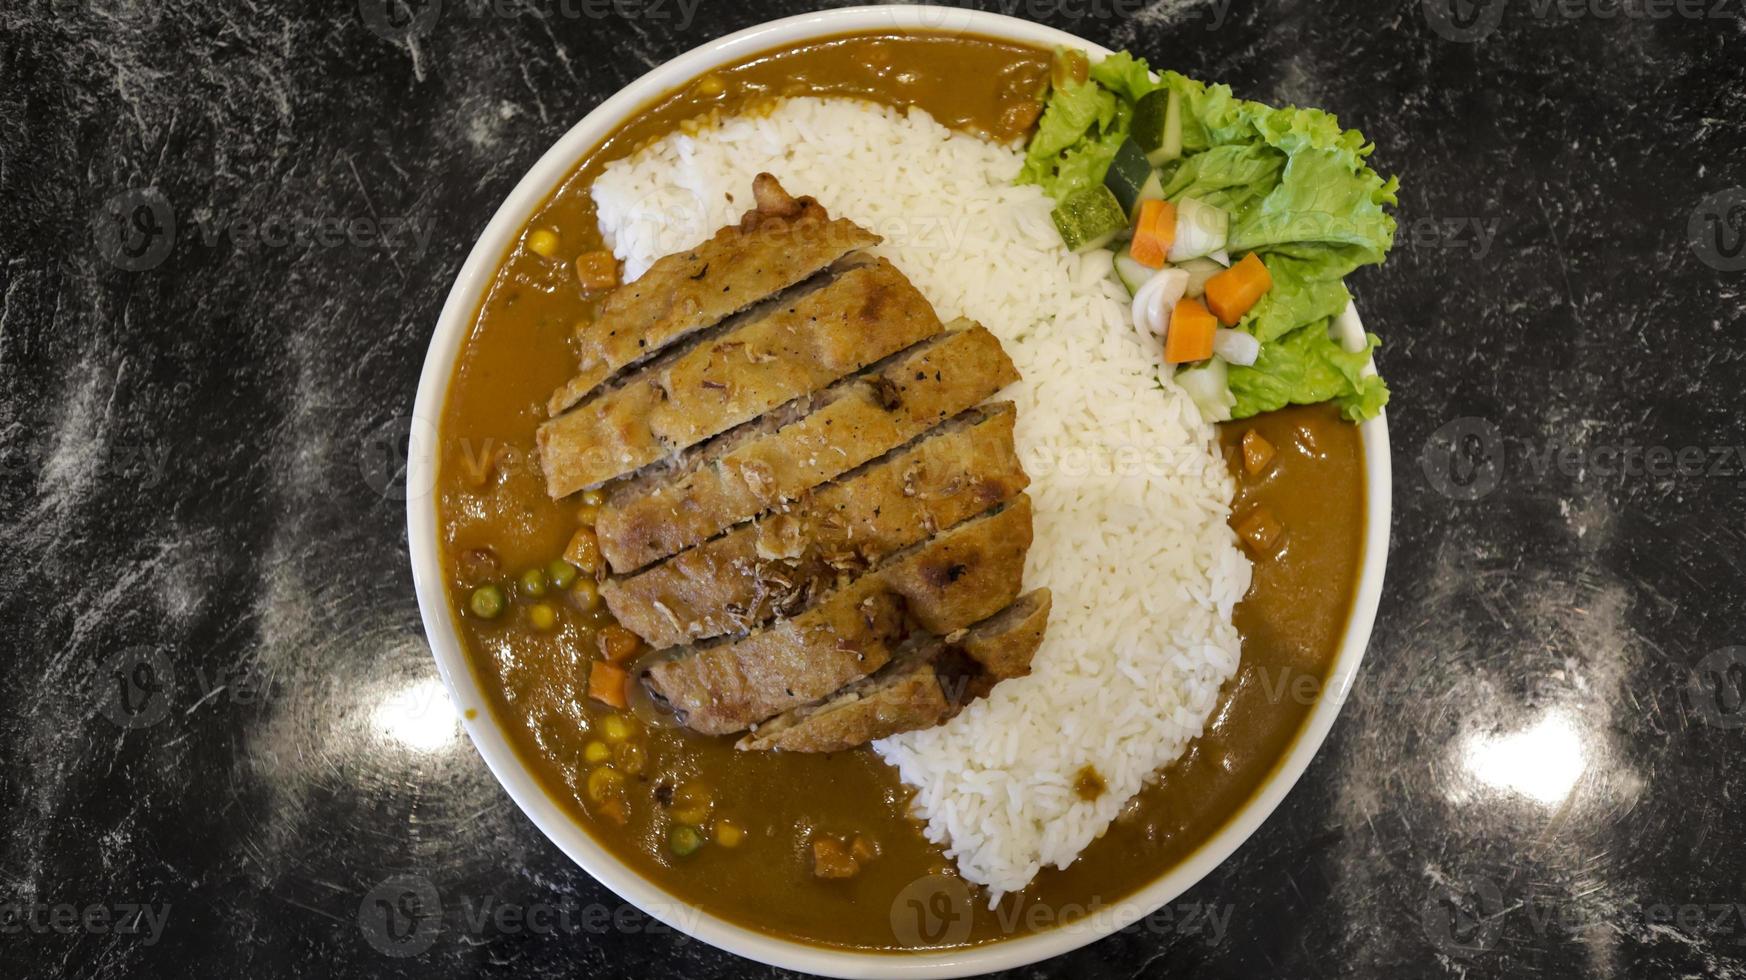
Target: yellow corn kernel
point(711, 85)
point(692, 803)
point(543, 242)
point(728, 834)
point(604, 784)
point(585, 594)
point(596, 752)
point(616, 728)
point(542, 617)
point(630, 758)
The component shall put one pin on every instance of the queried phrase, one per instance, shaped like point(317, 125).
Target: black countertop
point(219, 708)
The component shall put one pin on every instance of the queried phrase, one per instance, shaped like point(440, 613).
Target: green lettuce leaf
point(1324, 196)
point(1307, 367)
point(1302, 293)
point(1231, 177)
point(1301, 195)
point(1085, 164)
point(1288, 176)
point(1080, 130)
point(1304, 199)
point(1073, 110)
point(1126, 75)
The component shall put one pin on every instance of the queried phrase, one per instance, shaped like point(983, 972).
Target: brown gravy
point(497, 521)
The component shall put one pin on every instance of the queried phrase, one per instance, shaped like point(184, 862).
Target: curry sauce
point(769, 817)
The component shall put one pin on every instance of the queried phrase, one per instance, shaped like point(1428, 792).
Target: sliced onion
point(1158, 310)
point(1222, 257)
point(1142, 309)
point(1209, 385)
point(1201, 229)
point(1157, 297)
point(1199, 271)
point(1235, 346)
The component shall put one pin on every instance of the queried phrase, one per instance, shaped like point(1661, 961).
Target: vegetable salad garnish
point(1233, 226)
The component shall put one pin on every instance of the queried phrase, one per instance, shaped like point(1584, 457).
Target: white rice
point(1131, 495)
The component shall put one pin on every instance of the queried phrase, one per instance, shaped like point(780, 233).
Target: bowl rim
point(473, 707)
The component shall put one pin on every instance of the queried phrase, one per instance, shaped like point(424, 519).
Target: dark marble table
point(221, 743)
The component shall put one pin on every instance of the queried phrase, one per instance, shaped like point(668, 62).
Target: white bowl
point(464, 690)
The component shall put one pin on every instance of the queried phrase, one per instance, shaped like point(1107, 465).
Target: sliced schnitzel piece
point(930, 681)
point(683, 398)
point(959, 577)
point(768, 568)
point(691, 291)
point(786, 453)
point(726, 686)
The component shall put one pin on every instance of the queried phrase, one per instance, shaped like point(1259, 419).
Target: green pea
point(487, 602)
point(684, 841)
point(533, 583)
point(562, 573)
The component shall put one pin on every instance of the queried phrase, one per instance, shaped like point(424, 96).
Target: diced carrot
point(1154, 233)
point(1257, 452)
point(1191, 333)
point(617, 644)
point(584, 551)
point(606, 683)
point(1260, 531)
point(831, 858)
point(1146, 250)
point(1235, 291)
point(597, 270)
point(863, 848)
point(614, 810)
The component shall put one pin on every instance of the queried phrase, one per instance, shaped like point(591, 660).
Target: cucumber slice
point(1172, 146)
point(1153, 191)
point(1147, 129)
point(1132, 274)
point(1127, 176)
point(1157, 125)
point(1199, 271)
point(1090, 218)
point(1201, 229)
